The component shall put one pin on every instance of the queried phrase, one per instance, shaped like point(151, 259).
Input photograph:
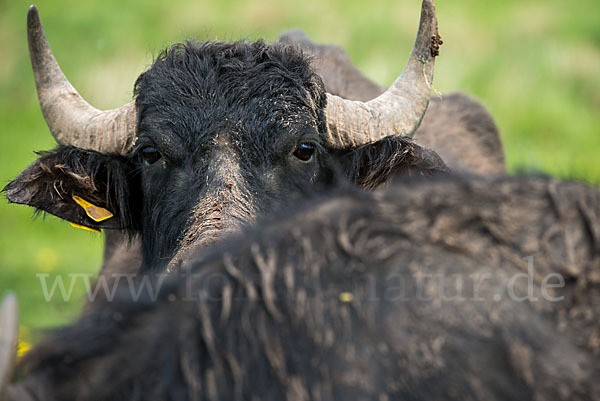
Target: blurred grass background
point(535, 64)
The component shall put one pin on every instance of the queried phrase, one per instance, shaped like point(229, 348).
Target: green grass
point(535, 64)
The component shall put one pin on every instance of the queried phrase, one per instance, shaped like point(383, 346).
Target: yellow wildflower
point(346, 297)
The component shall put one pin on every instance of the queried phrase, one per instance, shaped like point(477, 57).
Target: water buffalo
point(218, 134)
point(418, 291)
point(455, 126)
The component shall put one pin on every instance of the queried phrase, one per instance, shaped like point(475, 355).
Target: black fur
point(267, 316)
point(372, 165)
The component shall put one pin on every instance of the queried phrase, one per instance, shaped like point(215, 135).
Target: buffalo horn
point(70, 118)
point(9, 330)
point(397, 111)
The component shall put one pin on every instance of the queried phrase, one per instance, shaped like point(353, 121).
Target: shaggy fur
point(343, 300)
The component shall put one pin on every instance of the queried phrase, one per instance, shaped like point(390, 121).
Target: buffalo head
point(218, 134)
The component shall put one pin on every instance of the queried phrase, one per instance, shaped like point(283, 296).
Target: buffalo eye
point(150, 155)
point(305, 151)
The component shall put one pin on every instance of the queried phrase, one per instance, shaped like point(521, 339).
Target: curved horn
point(397, 111)
point(70, 118)
point(9, 331)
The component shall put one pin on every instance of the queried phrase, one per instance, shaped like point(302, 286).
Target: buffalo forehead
point(196, 91)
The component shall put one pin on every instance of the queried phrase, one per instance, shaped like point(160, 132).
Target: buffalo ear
point(373, 164)
point(80, 186)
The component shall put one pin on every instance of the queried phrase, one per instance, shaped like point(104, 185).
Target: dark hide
point(333, 65)
point(224, 120)
point(372, 165)
point(464, 134)
point(457, 127)
point(343, 301)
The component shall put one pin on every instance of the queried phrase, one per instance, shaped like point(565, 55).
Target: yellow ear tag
point(95, 230)
point(94, 212)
